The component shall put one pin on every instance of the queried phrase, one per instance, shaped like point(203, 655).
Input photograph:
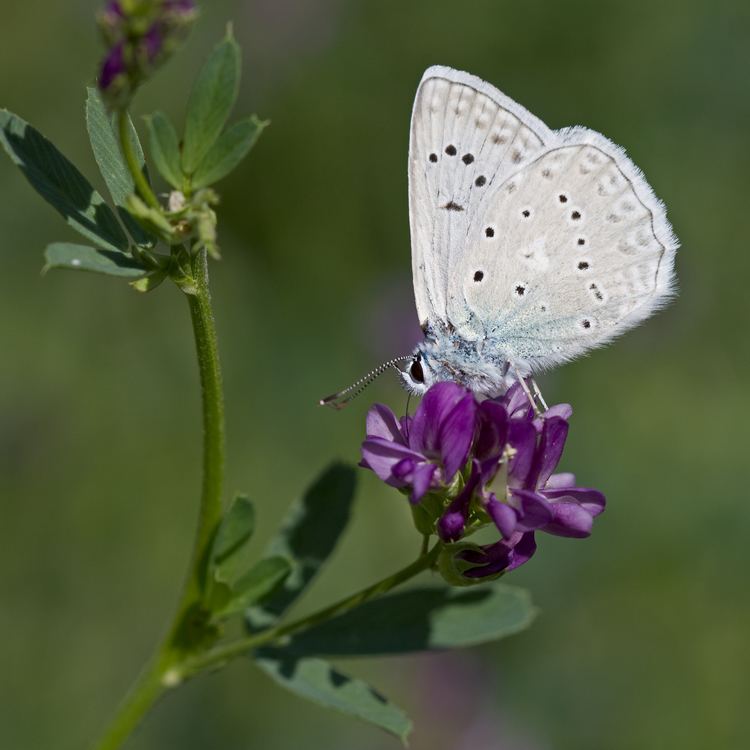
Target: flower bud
point(140, 35)
point(453, 565)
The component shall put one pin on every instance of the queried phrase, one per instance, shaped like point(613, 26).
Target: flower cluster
point(466, 464)
point(140, 35)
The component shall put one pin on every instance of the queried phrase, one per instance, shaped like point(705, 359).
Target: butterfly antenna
point(340, 399)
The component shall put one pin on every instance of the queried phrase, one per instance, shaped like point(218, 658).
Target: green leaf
point(308, 535)
point(165, 149)
point(108, 155)
point(211, 101)
point(149, 282)
point(229, 557)
point(87, 258)
point(318, 681)
point(229, 150)
point(420, 620)
point(256, 584)
point(60, 183)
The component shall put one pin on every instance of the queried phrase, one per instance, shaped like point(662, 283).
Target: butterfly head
point(426, 368)
point(417, 374)
point(444, 355)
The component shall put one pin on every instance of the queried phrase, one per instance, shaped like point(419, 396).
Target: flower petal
point(564, 411)
point(451, 526)
point(382, 422)
point(431, 412)
point(569, 519)
point(452, 523)
point(503, 516)
point(501, 556)
point(493, 430)
point(561, 480)
point(422, 481)
point(381, 455)
point(592, 501)
point(522, 438)
point(403, 470)
point(547, 455)
point(456, 435)
point(523, 551)
point(517, 402)
point(534, 511)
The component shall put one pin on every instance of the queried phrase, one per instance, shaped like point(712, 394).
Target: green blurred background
point(642, 640)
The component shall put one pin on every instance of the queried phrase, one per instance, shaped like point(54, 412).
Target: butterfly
point(530, 246)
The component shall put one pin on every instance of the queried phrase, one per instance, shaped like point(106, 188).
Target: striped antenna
point(340, 399)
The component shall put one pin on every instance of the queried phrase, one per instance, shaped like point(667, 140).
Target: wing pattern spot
point(453, 206)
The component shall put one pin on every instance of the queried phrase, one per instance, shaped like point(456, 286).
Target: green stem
point(207, 349)
point(126, 144)
point(158, 676)
point(148, 688)
point(229, 651)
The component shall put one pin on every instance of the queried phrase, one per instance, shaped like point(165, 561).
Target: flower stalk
point(225, 653)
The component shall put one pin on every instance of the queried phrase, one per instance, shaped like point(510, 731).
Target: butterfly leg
point(526, 390)
point(538, 394)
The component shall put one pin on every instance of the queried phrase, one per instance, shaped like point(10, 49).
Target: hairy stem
point(207, 349)
point(158, 676)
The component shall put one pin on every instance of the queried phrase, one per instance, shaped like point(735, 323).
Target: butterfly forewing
point(466, 138)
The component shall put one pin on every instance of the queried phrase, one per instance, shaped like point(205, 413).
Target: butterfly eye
point(416, 371)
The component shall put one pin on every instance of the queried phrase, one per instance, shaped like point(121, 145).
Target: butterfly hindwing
point(567, 253)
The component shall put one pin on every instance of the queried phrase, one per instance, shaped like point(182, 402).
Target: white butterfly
point(530, 246)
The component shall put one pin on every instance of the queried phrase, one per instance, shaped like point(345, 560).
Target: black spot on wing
point(452, 206)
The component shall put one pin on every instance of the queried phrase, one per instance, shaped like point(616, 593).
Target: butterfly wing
point(466, 138)
point(567, 253)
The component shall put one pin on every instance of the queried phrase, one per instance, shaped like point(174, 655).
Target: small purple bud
point(112, 67)
point(179, 6)
point(153, 41)
point(451, 526)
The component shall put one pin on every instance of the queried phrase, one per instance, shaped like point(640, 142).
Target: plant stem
point(158, 676)
point(148, 688)
point(228, 651)
point(207, 349)
point(141, 184)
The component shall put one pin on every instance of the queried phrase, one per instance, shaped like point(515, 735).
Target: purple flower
point(112, 67)
point(179, 6)
point(500, 557)
point(139, 37)
point(425, 451)
point(114, 10)
point(488, 462)
point(153, 41)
